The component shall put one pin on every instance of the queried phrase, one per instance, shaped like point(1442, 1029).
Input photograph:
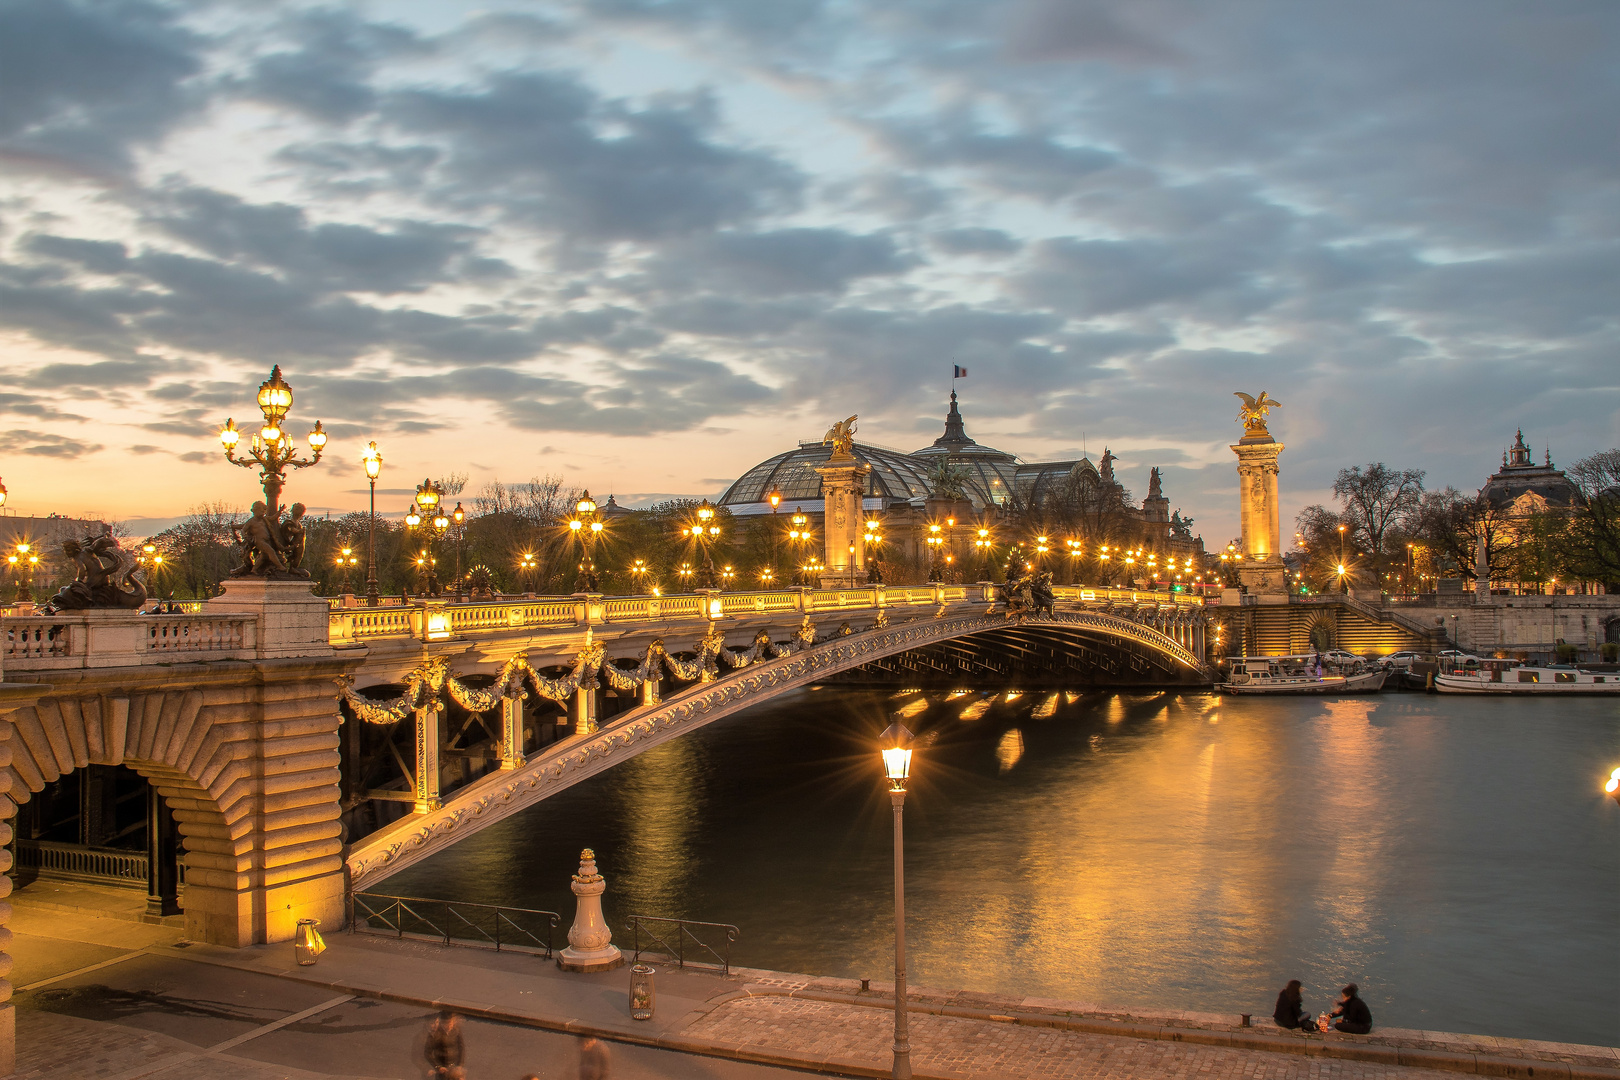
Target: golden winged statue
point(841, 436)
point(1252, 413)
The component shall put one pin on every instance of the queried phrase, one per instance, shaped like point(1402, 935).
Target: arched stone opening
point(1322, 633)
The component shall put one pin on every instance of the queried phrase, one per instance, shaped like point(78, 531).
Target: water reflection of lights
point(1069, 697)
point(1012, 695)
point(1046, 709)
point(976, 710)
point(912, 708)
point(1010, 749)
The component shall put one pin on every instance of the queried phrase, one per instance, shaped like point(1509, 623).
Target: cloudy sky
point(646, 243)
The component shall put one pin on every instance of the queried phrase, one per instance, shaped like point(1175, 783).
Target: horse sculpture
point(104, 577)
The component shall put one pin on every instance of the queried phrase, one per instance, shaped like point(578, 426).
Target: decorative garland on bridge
point(424, 685)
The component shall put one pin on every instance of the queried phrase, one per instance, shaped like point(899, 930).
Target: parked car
point(1457, 658)
point(1402, 660)
point(1339, 656)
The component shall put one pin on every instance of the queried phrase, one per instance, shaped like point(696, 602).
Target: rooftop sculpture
point(1252, 413)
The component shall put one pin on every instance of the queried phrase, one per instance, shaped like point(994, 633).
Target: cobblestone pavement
point(981, 1048)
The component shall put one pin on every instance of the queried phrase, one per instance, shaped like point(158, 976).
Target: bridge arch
point(566, 763)
point(258, 829)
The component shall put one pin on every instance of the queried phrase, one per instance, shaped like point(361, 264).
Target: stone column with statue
point(843, 482)
point(1261, 569)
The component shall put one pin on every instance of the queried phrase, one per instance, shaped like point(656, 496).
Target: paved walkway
point(106, 998)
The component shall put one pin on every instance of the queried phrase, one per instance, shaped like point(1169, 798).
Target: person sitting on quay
point(1290, 1012)
point(1357, 1017)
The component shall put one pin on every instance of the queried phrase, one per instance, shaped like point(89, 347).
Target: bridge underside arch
point(1036, 654)
point(1085, 636)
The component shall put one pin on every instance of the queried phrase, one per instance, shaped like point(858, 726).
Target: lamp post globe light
point(1612, 788)
point(458, 517)
point(526, 566)
point(270, 449)
point(347, 560)
point(800, 535)
point(371, 458)
point(873, 539)
point(2, 492)
point(706, 532)
point(896, 770)
point(936, 542)
point(586, 527)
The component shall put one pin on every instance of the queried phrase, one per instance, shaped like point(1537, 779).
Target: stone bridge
point(306, 749)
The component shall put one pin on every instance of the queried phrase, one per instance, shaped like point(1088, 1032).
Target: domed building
point(954, 481)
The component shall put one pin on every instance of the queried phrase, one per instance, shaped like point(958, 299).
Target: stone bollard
point(590, 942)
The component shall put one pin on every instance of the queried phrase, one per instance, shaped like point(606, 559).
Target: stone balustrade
point(94, 639)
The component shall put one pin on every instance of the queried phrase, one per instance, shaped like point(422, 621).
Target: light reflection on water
point(1454, 857)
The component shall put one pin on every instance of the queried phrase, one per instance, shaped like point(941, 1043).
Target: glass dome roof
point(894, 475)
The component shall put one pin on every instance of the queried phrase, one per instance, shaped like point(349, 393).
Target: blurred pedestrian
point(593, 1059)
point(444, 1047)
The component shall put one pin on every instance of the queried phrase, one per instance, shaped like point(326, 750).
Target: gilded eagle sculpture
point(1252, 413)
point(841, 437)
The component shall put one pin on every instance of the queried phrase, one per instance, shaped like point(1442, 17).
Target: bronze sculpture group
point(271, 548)
point(104, 576)
point(1029, 595)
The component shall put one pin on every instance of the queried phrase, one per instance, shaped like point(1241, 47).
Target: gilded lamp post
point(896, 770)
point(271, 449)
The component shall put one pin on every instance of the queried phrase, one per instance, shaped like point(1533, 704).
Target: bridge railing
point(123, 639)
point(481, 926)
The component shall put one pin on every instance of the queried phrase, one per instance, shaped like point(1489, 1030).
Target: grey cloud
point(1034, 163)
point(327, 75)
point(100, 256)
point(1096, 277)
point(197, 457)
point(330, 256)
point(81, 83)
point(544, 148)
point(782, 262)
point(46, 444)
point(976, 242)
point(1047, 30)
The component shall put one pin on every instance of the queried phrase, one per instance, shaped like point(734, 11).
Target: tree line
point(1388, 530)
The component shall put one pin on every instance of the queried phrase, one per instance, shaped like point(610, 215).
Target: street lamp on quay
point(270, 450)
point(458, 516)
point(371, 458)
point(775, 499)
point(586, 528)
point(981, 546)
point(526, 567)
point(1612, 788)
point(896, 770)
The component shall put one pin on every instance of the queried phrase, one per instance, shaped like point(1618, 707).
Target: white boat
point(1512, 677)
point(1295, 675)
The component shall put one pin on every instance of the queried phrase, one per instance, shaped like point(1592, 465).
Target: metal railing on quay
point(479, 926)
point(687, 947)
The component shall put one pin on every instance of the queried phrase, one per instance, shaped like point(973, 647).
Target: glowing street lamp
point(270, 450)
point(347, 560)
point(586, 528)
point(706, 531)
point(2, 492)
point(371, 459)
point(896, 754)
point(1612, 788)
point(526, 566)
point(936, 542)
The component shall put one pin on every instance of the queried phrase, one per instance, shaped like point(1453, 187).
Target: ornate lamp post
point(800, 535)
point(371, 458)
point(347, 561)
point(897, 769)
point(981, 545)
point(1612, 788)
point(873, 539)
point(936, 569)
point(767, 578)
point(684, 574)
point(23, 559)
point(586, 527)
point(426, 507)
point(705, 532)
point(457, 517)
point(727, 576)
point(775, 499)
point(526, 565)
point(271, 451)
point(2, 492)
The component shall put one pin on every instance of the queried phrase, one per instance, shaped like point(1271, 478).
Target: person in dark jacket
point(1357, 1018)
point(1290, 1012)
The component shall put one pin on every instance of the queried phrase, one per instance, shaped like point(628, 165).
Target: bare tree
point(1375, 499)
point(1593, 541)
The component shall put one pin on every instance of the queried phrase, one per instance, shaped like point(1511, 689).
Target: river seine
point(1453, 856)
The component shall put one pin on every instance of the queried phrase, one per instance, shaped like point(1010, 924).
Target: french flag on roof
point(958, 371)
